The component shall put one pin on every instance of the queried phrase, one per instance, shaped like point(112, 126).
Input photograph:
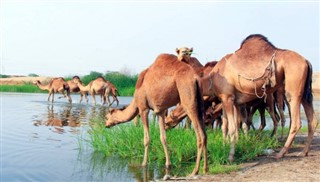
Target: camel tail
point(307, 94)
point(199, 101)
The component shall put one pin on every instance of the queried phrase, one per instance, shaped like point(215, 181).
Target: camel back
point(255, 59)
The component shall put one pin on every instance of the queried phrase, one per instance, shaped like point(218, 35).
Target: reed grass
point(126, 141)
point(27, 88)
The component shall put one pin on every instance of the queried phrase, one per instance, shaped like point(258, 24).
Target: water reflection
point(98, 167)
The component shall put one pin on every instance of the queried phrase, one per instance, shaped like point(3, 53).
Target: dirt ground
point(290, 168)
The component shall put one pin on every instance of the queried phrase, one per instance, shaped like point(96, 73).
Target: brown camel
point(164, 84)
point(112, 91)
point(56, 85)
point(257, 69)
point(99, 86)
point(75, 89)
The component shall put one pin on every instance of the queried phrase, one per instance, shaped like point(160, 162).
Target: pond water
point(40, 142)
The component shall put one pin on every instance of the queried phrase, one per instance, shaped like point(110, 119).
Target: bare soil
point(289, 168)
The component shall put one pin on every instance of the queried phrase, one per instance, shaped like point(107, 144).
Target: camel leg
point(116, 99)
point(52, 99)
point(201, 142)
point(163, 139)
point(224, 125)
point(280, 106)
point(93, 98)
point(270, 108)
point(262, 118)
point(86, 97)
point(49, 96)
point(81, 95)
point(145, 122)
point(228, 106)
point(250, 112)
point(242, 118)
point(108, 100)
point(69, 97)
point(294, 103)
point(312, 125)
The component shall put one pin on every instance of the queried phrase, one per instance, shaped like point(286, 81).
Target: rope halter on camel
point(266, 76)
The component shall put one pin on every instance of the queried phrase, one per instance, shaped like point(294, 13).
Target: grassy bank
point(27, 88)
point(124, 83)
point(127, 141)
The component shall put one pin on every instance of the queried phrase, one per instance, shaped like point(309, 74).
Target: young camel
point(99, 86)
point(56, 85)
point(164, 84)
point(74, 88)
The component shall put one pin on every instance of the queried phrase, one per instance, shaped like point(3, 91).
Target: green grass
point(27, 88)
point(126, 141)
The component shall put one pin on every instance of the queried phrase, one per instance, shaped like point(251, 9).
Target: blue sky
point(65, 38)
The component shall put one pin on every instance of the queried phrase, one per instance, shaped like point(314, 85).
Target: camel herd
point(257, 76)
point(99, 86)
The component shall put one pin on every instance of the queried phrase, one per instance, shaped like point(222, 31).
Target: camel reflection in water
point(69, 116)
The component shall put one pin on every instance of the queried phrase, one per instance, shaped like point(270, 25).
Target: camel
point(75, 89)
point(257, 69)
point(164, 84)
point(112, 91)
point(54, 86)
point(99, 86)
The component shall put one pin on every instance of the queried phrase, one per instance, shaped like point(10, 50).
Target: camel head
point(76, 79)
point(111, 118)
point(36, 82)
point(184, 52)
point(110, 122)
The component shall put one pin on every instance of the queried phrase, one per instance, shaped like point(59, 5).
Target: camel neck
point(84, 88)
point(43, 87)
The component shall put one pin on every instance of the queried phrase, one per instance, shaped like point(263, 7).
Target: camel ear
point(177, 50)
point(191, 49)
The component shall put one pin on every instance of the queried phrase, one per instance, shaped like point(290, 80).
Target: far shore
point(21, 80)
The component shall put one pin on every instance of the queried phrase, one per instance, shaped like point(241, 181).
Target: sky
point(66, 38)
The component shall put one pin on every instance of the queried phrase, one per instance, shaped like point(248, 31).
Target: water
point(40, 141)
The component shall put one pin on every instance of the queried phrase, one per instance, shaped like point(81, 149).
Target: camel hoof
point(278, 156)
point(231, 158)
point(166, 177)
point(302, 154)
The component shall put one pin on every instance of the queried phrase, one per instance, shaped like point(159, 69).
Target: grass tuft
point(126, 141)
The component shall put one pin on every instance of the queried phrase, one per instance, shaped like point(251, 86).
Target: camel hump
point(100, 78)
point(167, 57)
point(141, 78)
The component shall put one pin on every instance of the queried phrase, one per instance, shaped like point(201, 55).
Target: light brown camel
point(74, 88)
point(112, 91)
point(56, 85)
point(99, 86)
point(259, 68)
point(164, 84)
